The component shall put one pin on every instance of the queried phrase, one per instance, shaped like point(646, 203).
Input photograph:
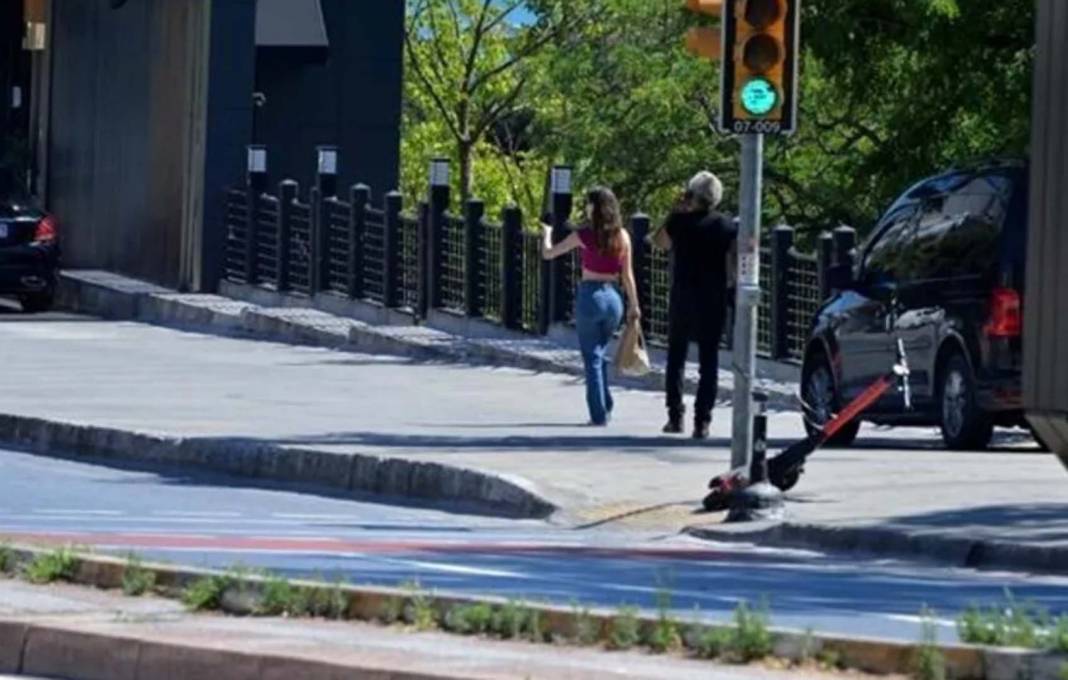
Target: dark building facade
point(143, 109)
point(1046, 324)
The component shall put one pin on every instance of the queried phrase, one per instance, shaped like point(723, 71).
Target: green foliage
point(136, 580)
point(1063, 675)
point(587, 629)
point(1014, 624)
point(751, 639)
point(392, 610)
point(327, 601)
point(472, 619)
point(892, 90)
point(930, 663)
point(710, 642)
point(7, 558)
point(206, 593)
point(624, 629)
point(665, 635)
point(58, 565)
point(418, 609)
point(747, 639)
point(281, 598)
point(510, 620)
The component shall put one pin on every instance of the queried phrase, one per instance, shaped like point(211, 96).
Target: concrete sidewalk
point(503, 435)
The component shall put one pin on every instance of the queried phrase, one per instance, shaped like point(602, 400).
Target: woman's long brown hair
point(607, 224)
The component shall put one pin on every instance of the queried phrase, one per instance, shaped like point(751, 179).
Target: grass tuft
point(7, 559)
point(136, 580)
point(624, 629)
point(206, 593)
point(58, 565)
point(930, 663)
point(1014, 624)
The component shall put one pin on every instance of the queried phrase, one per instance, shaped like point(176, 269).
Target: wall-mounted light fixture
point(439, 172)
point(257, 159)
point(327, 160)
point(560, 179)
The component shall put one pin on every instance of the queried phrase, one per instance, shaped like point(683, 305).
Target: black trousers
point(707, 337)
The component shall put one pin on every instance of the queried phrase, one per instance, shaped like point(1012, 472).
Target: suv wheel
point(33, 303)
point(964, 426)
point(822, 403)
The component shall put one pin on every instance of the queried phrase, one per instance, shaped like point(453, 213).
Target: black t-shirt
point(700, 242)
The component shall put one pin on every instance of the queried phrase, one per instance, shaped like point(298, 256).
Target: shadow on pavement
point(1039, 523)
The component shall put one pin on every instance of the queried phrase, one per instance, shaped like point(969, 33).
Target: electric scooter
point(785, 470)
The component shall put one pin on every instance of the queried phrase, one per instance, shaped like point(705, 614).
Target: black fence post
point(319, 243)
point(845, 244)
point(512, 267)
point(287, 193)
point(437, 228)
point(256, 184)
point(549, 280)
point(391, 250)
point(825, 258)
point(782, 243)
point(562, 270)
point(424, 261)
point(639, 229)
point(474, 258)
point(359, 199)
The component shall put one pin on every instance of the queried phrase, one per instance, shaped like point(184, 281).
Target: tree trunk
point(466, 150)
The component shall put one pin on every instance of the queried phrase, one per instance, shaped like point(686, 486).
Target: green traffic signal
point(759, 97)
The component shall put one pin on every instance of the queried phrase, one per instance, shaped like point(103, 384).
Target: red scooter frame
point(785, 469)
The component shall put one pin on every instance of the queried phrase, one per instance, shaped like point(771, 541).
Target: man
point(702, 242)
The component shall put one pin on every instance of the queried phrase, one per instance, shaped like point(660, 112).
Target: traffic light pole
point(745, 326)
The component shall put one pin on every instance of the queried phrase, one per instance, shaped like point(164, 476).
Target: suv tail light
point(45, 231)
point(1006, 320)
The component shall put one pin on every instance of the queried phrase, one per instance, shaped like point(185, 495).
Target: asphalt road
point(220, 522)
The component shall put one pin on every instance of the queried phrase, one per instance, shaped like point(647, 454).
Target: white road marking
point(193, 513)
point(67, 511)
point(457, 569)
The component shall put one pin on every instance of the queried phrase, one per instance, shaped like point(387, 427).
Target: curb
point(325, 321)
point(41, 645)
point(303, 469)
point(898, 542)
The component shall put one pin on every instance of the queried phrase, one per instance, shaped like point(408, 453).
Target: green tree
point(468, 70)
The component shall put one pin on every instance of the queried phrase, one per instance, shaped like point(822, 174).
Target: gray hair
point(707, 188)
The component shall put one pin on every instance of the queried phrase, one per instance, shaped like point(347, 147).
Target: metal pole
point(745, 327)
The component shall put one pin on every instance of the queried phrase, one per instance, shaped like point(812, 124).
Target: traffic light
point(760, 55)
point(704, 41)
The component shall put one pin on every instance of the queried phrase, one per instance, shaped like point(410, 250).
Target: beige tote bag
point(632, 359)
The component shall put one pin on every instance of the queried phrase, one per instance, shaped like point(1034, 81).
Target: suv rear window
point(958, 233)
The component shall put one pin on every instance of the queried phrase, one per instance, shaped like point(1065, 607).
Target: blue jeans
point(598, 313)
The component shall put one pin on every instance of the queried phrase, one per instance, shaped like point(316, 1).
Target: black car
point(943, 270)
point(29, 248)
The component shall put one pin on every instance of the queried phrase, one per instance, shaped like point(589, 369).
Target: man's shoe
point(700, 429)
point(674, 424)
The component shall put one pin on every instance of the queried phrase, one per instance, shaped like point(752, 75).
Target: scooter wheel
point(788, 479)
point(717, 501)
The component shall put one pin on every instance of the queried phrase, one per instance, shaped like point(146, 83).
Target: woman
point(606, 258)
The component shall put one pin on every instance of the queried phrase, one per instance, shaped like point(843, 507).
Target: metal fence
point(466, 264)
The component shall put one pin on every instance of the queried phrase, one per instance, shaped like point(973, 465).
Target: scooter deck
point(785, 469)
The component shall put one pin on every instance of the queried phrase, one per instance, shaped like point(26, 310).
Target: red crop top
point(593, 260)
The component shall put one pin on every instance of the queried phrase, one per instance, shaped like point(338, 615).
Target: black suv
point(943, 271)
